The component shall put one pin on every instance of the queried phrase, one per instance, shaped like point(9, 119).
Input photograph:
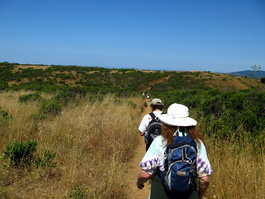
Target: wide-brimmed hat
point(177, 115)
point(156, 101)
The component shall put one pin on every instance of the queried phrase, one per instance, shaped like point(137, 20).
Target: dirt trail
point(156, 82)
point(136, 193)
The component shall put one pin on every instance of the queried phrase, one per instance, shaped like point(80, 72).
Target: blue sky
point(181, 35)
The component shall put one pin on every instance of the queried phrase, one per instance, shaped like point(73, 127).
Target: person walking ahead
point(156, 107)
point(176, 121)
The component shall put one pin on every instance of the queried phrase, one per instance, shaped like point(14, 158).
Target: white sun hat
point(177, 115)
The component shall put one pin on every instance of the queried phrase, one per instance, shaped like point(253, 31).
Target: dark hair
point(168, 132)
point(154, 107)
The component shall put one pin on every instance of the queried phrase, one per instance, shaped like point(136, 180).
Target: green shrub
point(20, 153)
point(46, 160)
point(65, 97)
point(3, 85)
point(95, 98)
point(223, 113)
point(3, 113)
point(29, 97)
point(50, 108)
point(78, 192)
point(4, 116)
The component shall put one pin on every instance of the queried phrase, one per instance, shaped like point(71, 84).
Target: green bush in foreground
point(20, 153)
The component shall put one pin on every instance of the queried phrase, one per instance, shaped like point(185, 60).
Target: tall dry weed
point(239, 170)
point(93, 141)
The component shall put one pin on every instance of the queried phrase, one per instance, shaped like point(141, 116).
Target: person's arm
point(143, 177)
point(143, 125)
point(141, 133)
point(203, 185)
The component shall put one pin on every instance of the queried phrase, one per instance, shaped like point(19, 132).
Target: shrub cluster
point(223, 113)
point(29, 97)
point(21, 155)
point(83, 79)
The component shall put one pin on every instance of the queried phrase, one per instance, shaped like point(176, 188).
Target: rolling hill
point(123, 81)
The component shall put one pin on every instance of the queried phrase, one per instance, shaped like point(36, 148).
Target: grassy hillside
point(224, 102)
point(218, 98)
point(78, 127)
point(121, 81)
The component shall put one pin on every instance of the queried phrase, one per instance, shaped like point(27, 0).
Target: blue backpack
point(180, 165)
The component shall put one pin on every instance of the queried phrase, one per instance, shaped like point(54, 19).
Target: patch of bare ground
point(134, 192)
point(30, 66)
point(227, 82)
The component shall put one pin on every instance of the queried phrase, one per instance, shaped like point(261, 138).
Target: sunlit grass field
point(239, 170)
point(94, 141)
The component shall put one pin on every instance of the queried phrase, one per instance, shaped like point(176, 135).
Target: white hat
point(177, 115)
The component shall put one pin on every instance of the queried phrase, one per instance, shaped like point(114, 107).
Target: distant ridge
point(249, 73)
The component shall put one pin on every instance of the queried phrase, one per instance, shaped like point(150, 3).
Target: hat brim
point(177, 121)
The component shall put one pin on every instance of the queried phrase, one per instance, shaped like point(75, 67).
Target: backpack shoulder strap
point(182, 139)
point(152, 115)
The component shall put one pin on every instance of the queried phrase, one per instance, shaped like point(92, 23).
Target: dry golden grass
point(228, 82)
point(239, 170)
point(30, 66)
point(94, 143)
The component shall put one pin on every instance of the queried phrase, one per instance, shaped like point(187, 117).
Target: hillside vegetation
point(70, 132)
point(122, 81)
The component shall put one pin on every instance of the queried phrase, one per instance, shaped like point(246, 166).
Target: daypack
point(180, 165)
point(153, 130)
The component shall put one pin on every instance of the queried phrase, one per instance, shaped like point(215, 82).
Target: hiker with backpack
point(177, 160)
point(150, 125)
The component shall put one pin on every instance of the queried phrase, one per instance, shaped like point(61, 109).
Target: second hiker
point(156, 107)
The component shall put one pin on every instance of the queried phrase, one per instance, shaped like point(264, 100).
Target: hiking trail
point(134, 168)
point(149, 86)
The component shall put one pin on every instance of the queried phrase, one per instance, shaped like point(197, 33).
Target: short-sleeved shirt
point(146, 119)
point(154, 158)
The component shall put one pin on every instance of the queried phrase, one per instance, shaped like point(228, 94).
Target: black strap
point(153, 116)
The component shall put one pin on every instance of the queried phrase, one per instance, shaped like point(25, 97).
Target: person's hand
point(139, 186)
